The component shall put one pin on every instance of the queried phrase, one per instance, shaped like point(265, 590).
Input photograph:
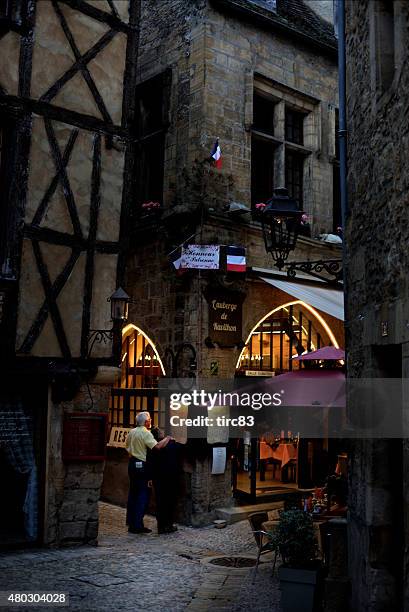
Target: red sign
point(84, 436)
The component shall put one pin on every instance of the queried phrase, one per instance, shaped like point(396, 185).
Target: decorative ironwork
point(99, 336)
point(329, 270)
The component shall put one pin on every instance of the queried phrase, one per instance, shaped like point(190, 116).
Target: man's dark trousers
point(138, 493)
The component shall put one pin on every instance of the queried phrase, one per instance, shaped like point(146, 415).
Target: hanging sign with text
point(225, 317)
point(200, 257)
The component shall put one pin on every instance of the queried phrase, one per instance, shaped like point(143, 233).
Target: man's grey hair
point(142, 418)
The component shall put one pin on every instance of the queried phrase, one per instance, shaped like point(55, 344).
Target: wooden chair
point(263, 539)
point(292, 470)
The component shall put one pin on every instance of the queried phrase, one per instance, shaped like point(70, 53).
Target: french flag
point(216, 154)
point(235, 259)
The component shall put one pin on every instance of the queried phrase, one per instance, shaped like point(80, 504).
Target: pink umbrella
point(330, 353)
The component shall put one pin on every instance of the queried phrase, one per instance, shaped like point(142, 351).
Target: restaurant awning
point(327, 300)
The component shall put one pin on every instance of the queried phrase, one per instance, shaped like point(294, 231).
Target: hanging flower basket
point(150, 210)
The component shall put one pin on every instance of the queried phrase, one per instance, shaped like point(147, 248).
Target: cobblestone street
point(144, 572)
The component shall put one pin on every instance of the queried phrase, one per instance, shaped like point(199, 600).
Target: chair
point(292, 470)
point(256, 521)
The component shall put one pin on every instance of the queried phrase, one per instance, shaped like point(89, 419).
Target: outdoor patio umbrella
point(311, 387)
point(328, 353)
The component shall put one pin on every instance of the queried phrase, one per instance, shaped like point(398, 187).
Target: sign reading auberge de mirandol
point(225, 317)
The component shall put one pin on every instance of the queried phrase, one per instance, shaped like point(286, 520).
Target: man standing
point(165, 469)
point(139, 440)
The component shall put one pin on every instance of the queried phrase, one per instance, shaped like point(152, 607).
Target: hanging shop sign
point(117, 436)
point(225, 317)
point(84, 436)
point(200, 257)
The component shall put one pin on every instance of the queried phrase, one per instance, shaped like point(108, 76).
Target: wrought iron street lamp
point(280, 221)
point(119, 305)
point(119, 314)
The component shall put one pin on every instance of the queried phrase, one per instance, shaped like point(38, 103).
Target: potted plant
point(295, 538)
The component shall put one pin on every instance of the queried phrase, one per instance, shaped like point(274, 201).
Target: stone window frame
point(282, 95)
point(383, 89)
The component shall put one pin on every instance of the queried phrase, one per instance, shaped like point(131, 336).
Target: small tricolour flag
point(216, 154)
point(235, 259)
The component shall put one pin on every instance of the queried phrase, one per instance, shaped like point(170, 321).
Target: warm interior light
point(131, 327)
point(312, 310)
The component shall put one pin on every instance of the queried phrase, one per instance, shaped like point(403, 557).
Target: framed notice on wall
point(84, 436)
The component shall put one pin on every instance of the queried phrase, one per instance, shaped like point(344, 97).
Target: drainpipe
point(342, 111)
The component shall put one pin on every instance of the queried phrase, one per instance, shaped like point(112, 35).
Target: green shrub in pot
point(295, 538)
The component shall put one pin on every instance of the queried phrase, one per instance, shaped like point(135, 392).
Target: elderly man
point(139, 440)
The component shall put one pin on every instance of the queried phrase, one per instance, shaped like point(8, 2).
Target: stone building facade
point(67, 79)
point(377, 297)
point(233, 71)
point(98, 117)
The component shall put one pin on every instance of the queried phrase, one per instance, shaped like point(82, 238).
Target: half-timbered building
point(67, 129)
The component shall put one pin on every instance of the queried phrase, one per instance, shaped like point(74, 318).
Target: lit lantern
point(280, 220)
point(119, 305)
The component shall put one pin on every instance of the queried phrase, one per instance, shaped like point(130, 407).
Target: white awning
point(330, 301)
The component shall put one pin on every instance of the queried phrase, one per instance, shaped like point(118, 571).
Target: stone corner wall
point(73, 489)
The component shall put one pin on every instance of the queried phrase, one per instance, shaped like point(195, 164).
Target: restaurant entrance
point(135, 391)
point(280, 462)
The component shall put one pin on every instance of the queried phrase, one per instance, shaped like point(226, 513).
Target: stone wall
point(377, 264)
point(72, 488)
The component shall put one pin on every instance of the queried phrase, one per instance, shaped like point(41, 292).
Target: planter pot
point(298, 588)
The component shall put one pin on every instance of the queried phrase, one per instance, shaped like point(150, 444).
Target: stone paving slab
point(140, 573)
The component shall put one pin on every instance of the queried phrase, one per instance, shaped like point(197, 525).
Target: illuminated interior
point(141, 365)
point(141, 368)
point(289, 330)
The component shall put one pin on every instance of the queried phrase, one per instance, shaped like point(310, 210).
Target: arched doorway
point(136, 390)
point(267, 467)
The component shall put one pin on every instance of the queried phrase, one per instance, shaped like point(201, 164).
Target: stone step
point(235, 514)
point(240, 513)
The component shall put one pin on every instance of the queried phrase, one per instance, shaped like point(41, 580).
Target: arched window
point(286, 331)
point(141, 365)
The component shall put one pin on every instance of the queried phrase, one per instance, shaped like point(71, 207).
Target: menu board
point(84, 436)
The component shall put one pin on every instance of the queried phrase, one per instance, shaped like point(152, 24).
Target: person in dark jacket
point(164, 470)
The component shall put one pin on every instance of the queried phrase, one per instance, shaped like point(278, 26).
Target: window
point(263, 114)
point(278, 149)
point(383, 43)
point(150, 126)
point(294, 171)
point(294, 126)
point(262, 149)
point(262, 169)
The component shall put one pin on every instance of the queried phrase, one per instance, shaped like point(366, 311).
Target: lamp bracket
point(99, 336)
point(329, 270)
